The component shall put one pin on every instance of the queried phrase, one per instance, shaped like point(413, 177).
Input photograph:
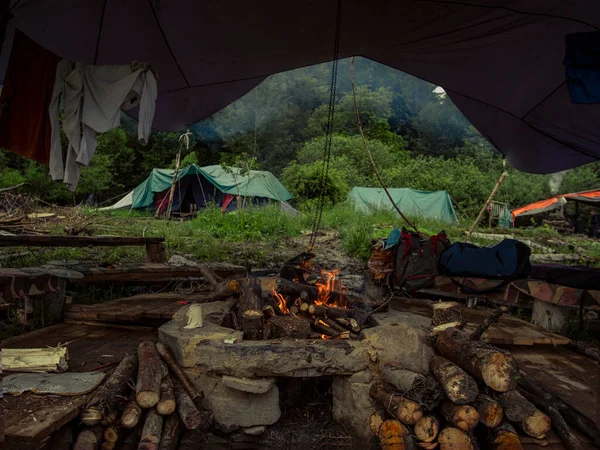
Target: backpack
point(417, 260)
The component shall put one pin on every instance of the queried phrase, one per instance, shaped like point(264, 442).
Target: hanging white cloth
point(93, 97)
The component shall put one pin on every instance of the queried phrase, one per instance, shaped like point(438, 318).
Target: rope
point(328, 132)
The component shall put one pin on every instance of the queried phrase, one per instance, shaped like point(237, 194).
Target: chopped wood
point(149, 375)
point(331, 312)
point(112, 433)
point(131, 414)
point(342, 335)
point(50, 359)
point(304, 308)
point(91, 416)
point(250, 294)
point(427, 445)
point(394, 436)
point(435, 331)
point(451, 438)
point(110, 393)
point(463, 417)
point(427, 428)
point(269, 312)
point(537, 424)
point(176, 371)
point(423, 389)
point(490, 411)
point(542, 396)
point(170, 434)
point(320, 327)
point(287, 287)
point(111, 417)
point(458, 385)
point(166, 404)
point(152, 431)
point(492, 318)
point(336, 326)
point(375, 422)
point(222, 291)
point(496, 368)
point(190, 416)
point(516, 407)
point(446, 312)
point(402, 408)
point(89, 439)
point(253, 325)
point(504, 437)
point(210, 276)
point(289, 327)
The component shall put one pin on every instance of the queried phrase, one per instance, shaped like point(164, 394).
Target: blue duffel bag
point(507, 260)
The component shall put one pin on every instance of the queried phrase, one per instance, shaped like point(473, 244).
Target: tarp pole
point(183, 138)
point(490, 198)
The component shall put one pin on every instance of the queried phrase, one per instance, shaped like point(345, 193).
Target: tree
point(304, 182)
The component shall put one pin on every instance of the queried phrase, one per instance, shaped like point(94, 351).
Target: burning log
point(490, 411)
point(405, 410)
point(542, 397)
point(152, 431)
point(452, 438)
point(131, 414)
point(253, 325)
point(427, 428)
point(423, 389)
point(504, 437)
point(516, 407)
point(166, 404)
point(463, 417)
point(446, 312)
point(289, 327)
point(496, 368)
point(176, 371)
point(149, 377)
point(349, 324)
point(342, 335)
point(538, 424)
point(108, 395)
point(321, 327)
point(331, 312)
point(287, 287)
point(190, 416)
point(458, 385)
point(395, 436)
point(170, 435)
point(89, 439)
point(250, 306)
point(336, 326)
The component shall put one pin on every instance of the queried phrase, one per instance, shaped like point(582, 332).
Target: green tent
point(431, 205)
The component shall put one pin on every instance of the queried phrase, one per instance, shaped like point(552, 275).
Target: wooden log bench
point(155, 247)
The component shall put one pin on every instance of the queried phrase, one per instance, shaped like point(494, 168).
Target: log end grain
point(375, 422)
point(537, 425)
point(393, 436)
point(451, 438)
point(500, 371)
point(427, 429)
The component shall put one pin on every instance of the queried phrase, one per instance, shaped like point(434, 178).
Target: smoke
point(556, 180)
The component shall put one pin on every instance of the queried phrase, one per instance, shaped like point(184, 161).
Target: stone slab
point(397, 317)
point(255, 431)
point(213, 312)
point(250, 385)
point(65, 384)
point(352, 407)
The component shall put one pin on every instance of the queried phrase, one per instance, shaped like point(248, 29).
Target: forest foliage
point(418, 138)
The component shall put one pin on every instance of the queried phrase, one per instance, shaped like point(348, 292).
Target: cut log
point(89, 439)
point(492, 318)
point(490, 411)
point(331, 312)
point(152, 431)
point(250, 294)
point(269, 312)
point(463, 417)
point(253, 325)
point(221, 292)
point(111, 392)
point(166, 404)
point(394, 436)
point(451, 438)
point(190, 416)
point(51, 359)
point(427, 428)
point(112, 433)
point(321, 327)
point(170, 434)
point(375, 422)
point(176, 371)
point(516, 407)
point(149, 375)
point(423, 389)
point(403, 409)
point(112, 416)
point(496, 368)
point(304, 308)
point(458, 385)
point(446, 312)
point(131, 414)
point(537, 424)
point(504, 437)
point(427, 445)
point(289, 327)
point(336, 326)
point(435, 331)
point(542, 396)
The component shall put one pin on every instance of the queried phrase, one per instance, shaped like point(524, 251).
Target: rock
point(352, 407)
point(250, 385)
point(183, 342)
point(366, 376)
point(180, 261)
point(401, 343)
point(232, 408)
point(213, 312)
point(399, 317)
point(255, 431)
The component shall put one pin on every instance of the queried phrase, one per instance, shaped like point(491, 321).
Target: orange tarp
point(546, 205)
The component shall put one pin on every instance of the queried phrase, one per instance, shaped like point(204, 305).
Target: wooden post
point(490, 198)
point(156, 252)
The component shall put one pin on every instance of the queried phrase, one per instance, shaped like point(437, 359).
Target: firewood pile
point(16, 213)
point(147, 402)
point(475, 396)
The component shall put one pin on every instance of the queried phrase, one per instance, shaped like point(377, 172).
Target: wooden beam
point(28, 240)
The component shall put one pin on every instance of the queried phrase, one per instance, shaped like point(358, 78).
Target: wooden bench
point(155, 247)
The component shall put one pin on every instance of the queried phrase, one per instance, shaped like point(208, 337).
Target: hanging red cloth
point(226, 201)
point(28, 83)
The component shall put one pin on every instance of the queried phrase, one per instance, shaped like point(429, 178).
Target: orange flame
point(324, 289)
point(324, 336)
point(280, 301)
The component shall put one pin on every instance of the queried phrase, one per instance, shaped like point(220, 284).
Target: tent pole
point(183, 138)
point(490, 198)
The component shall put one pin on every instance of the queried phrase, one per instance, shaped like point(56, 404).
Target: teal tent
point(197, 186)
point(431, 205)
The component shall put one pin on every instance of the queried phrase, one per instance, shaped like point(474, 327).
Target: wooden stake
point(487, 202)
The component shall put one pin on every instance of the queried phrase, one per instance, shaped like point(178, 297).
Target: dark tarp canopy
point(501, 61)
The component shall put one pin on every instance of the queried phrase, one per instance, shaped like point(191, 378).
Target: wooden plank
point(28, 240)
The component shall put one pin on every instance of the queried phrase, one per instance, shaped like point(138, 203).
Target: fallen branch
point(492, 318)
